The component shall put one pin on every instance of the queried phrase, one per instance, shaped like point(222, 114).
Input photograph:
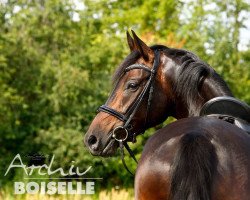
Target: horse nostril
point(92, 140)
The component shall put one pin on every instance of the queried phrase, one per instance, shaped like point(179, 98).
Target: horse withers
point(151, 84)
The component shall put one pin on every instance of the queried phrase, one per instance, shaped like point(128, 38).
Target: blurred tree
point(56, 62)
point(212, 31)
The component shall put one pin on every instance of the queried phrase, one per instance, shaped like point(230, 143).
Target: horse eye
point(132, 86)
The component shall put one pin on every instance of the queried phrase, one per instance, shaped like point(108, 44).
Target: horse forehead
point(148, 63)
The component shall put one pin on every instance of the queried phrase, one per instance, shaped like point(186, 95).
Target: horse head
point(141, 98)
point(151, 84)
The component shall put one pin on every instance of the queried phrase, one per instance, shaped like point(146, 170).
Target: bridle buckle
point(120, 134)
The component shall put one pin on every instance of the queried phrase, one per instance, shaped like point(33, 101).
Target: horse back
point(197, 156)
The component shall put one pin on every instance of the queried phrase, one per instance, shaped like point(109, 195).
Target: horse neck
point(214, 87)
point(184, 106)
point(211, 88)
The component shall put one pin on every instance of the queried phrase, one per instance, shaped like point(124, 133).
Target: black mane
point(191, 73)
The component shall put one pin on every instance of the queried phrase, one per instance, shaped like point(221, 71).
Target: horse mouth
point(110, 148)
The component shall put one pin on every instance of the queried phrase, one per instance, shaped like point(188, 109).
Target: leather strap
point(112, 112)
point(122, 157)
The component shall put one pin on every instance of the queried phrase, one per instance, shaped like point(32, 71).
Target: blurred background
point(56, 62)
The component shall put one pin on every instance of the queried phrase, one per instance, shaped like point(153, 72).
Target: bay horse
point(195, 157)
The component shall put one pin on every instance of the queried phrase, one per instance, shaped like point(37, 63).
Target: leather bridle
point(123, 133)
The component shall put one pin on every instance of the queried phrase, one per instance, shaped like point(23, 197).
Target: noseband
point(123, 133)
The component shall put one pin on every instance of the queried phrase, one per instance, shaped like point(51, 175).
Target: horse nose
point(93, 142)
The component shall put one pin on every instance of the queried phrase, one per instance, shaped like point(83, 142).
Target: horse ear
point(130, 42)
point(142, 47)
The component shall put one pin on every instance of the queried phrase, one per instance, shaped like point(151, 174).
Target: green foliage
point(55, 69)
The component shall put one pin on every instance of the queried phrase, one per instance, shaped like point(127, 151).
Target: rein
point(123, 133)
